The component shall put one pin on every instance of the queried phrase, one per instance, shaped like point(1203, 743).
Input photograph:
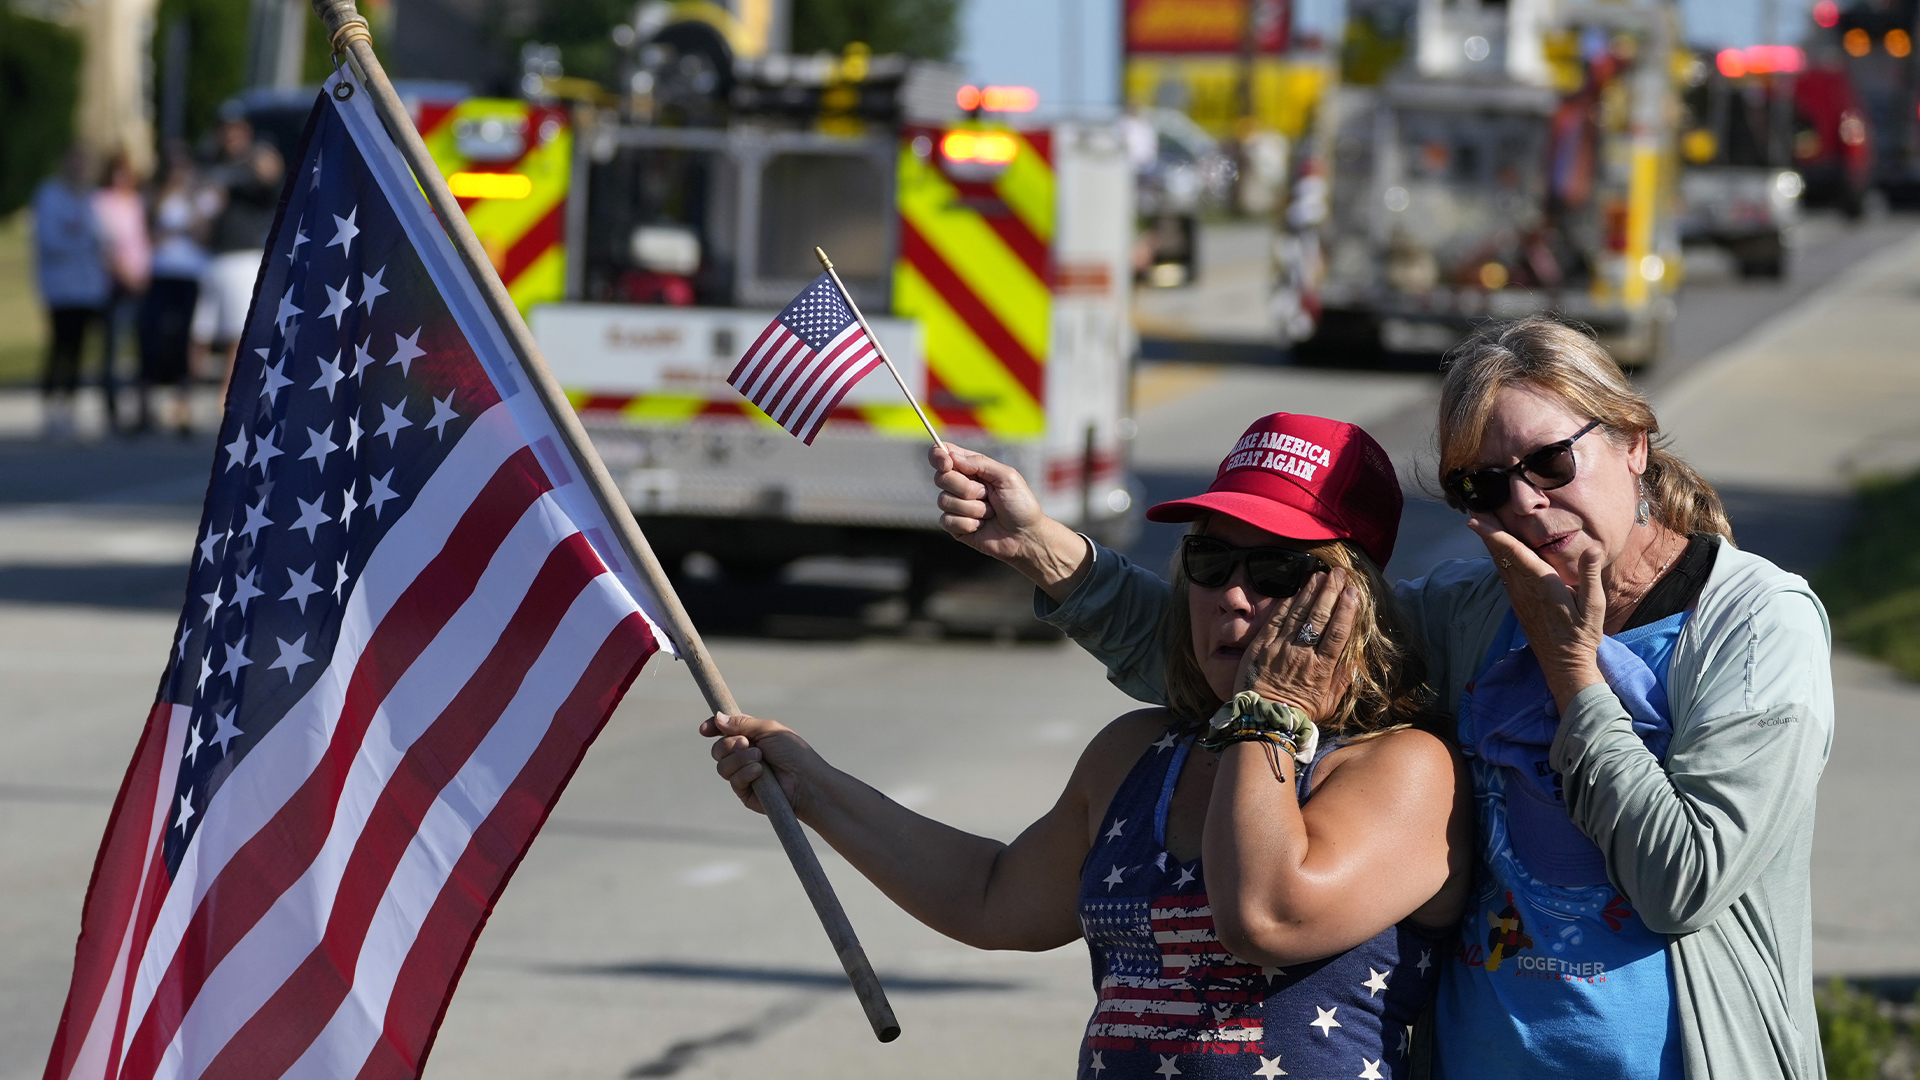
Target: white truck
point(993, 262)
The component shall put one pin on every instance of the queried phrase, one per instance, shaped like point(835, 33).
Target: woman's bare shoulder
point(1127, 736)
point(1407, 755)
point(1111, 754)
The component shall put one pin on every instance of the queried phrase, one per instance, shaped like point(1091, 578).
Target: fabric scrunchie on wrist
point(1250, 718)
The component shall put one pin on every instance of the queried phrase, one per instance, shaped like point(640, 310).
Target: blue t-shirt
point(1552, 968)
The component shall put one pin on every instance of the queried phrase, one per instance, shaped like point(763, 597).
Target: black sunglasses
point(1272, 571)
point(1486, 490)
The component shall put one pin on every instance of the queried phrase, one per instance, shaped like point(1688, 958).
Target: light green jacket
point(1712, 848)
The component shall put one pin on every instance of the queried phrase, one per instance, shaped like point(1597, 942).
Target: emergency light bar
point(489, 185)
point(1004, 99)
point(1760, 60)
point(984, 147)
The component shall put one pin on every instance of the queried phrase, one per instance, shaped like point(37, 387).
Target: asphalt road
point(655, 930)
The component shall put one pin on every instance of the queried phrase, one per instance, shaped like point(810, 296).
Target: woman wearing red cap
point(1646, 710)
point(1265, 879)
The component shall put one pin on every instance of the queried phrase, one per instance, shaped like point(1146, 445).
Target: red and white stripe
point(1168, 1012)
point(797, 386)
point(319, 918)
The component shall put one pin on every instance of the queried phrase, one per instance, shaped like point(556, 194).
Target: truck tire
point(1341, 336)
point(1762, 257)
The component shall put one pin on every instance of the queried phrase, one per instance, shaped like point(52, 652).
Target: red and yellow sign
point(1206, 26)
point(509, 164)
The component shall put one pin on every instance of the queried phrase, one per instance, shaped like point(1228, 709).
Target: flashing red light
point(1760, 60)
point(1000, 99)
point(1010, 99)
point(1826, 14)
point(1766, 59)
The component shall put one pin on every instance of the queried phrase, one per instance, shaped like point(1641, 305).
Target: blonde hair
point(1389, 684)
point(1562, 361)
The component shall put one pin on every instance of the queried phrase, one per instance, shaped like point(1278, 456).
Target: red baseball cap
point(1305, 477)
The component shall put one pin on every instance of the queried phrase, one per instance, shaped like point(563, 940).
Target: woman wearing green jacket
point(1645, 707)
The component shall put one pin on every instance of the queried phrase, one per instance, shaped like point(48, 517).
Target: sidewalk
point(1819, 396)
point(1785, 423)
point(20, 414)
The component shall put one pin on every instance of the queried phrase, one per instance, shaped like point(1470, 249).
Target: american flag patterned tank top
point(1174, 1003)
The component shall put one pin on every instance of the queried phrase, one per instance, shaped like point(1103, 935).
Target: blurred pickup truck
point(1749, 210)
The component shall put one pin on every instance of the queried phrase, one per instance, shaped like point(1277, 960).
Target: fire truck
point(1497, 161)
point(650, 236)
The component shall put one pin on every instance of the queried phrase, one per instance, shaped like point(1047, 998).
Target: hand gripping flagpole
point(879, 348)
point(350, 38)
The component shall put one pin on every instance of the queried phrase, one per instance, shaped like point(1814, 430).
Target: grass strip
point(1872, 585)
point(22, 319)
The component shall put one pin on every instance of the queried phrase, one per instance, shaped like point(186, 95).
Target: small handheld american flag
point(804, 363)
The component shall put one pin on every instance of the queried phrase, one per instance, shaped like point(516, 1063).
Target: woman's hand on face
point(1564, 625)
point(744, 746)
point(1280, 667)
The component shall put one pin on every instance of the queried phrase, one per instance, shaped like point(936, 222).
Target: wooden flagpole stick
point(879, 348)
point(349, 35)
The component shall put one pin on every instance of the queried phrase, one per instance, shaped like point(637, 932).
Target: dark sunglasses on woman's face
point(1486, 490)
point(1272, 571)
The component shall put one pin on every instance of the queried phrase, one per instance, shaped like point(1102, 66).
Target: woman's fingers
point(1592, 597)
point(960, 486)
point(963, 507)
point(1340, 623)
point(1320, 610)
point(1508, 553)
point(741, 759)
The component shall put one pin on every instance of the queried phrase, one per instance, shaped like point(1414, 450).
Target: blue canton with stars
point(351, 385)
point(817, 315)
point(1174, 1003)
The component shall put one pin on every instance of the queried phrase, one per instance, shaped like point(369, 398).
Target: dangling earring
point(1642, 512)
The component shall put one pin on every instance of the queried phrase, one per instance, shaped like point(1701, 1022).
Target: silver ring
point(1506, 564)
point(1307, 635)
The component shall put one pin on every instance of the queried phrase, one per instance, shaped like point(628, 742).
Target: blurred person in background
point(122, 212)
point(248, 176)
point(70, 260)
point(182, 217)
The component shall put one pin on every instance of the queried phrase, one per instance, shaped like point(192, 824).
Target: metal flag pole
point(350, 38)
point(879, 348)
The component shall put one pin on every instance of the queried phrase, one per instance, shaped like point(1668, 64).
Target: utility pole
point(1071, 48)
point(276, 44)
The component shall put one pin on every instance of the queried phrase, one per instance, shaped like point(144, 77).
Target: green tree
point(583, 29)
point(39, 84)
point(928, 29)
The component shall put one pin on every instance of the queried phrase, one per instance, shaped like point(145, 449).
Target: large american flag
point(806, 360)
point(406, 620)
